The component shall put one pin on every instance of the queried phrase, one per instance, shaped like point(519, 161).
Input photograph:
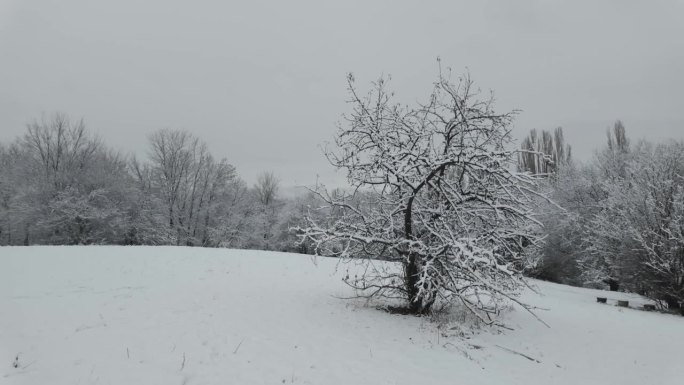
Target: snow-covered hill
point(165, 315)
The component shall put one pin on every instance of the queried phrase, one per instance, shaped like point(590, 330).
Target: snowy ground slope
point(142, 315)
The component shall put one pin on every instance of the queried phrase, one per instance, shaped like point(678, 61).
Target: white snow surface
point(174, 315)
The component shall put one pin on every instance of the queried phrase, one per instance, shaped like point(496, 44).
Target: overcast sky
point(263, 82)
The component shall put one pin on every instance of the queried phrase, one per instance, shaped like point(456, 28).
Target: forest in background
point(614, 221)
point(62, 185)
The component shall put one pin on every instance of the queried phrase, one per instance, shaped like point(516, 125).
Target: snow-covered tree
point(266, 187)
point(10, 159)
point(571, 253)
point(190, 182)
point(544, 154)
point(68, 187)
point(269, 209)
point(61, 149)
point(147, 222)
point(638, 236)
point(435, 189)
point(78, 218)
point(603, 259)
point(548, 156)
point(574, 204)
point(237, 217)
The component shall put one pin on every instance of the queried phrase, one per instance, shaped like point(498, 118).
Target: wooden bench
point(620, 303)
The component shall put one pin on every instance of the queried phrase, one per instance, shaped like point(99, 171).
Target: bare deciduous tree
point(170, 155)
point(439, 195)
point(61, 147)
point(190, 180)
point(544, 155)
point(266, 187)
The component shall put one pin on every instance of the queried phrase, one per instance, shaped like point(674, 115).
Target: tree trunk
point(417, 303)
point(411, 283)
point(672, 303)
point(614, 285)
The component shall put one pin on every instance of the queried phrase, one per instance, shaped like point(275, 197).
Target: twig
point(503, 326)
point(518, 353)
point(183, 363)
point(238, 346)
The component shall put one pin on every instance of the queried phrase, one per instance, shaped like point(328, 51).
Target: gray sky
point(263, 82)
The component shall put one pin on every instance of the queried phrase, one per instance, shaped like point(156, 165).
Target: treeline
point(61, 185)
point(617, 221)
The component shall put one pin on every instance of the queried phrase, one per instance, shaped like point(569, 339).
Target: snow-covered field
point(165, 315)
